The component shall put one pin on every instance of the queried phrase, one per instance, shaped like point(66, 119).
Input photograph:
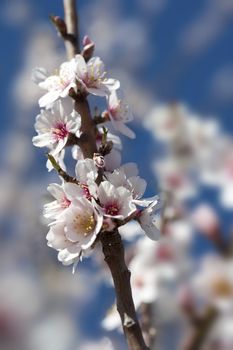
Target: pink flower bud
point(87, 41)
point(206, 220)
point(88, 48)
point(60, 24)
point(99, 160)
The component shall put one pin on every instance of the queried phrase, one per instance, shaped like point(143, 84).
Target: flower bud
point(99, 160)
point(87, 41)
point(88, 48)
point(60, 24)
point(106, 148)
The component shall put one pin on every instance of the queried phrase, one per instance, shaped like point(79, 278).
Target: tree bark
point(113, 250)
point(71, 19)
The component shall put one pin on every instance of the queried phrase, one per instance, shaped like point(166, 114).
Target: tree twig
point(88, 136)
point(113, 250)
point(71, 19)
point(66, 177)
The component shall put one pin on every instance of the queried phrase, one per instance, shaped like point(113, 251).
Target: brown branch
point(113, 250)
point(111, 242)
point(200, 331)
point(100, 119)
point(72, 140)
point(88, 138)
point(71, 20)
point(66, 177)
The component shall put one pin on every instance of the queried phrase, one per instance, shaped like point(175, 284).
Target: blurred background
point(175, 63)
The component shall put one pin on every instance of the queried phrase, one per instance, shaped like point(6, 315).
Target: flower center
point(112, 209)
point(115, 111)
point(84, 224)
point(94, 75)
point(86, 191)
point(65, 203)
point(60, 131)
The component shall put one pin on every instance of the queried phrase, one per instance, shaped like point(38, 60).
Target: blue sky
point(171, 51)
point(172, 71)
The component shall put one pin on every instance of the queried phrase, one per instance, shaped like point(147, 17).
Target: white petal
point(98, 91)
point(86, 170)
point(56, 191)
point(81, 67)
point(39, 74)
point(138, 186)
point(42, 140)
point(49, 98)
point(130, 169)
point(125, 130)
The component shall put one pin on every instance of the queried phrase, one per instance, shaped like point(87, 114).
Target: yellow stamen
point(84, 224)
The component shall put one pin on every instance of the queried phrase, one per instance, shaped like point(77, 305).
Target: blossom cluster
point(104, 194)
point(196, 154)
point(177, 285)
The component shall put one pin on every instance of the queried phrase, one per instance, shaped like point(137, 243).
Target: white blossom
point(119, 114)
point(127, 176)
point(174, 179)
point(54, 127)
point(167, 121)
point(58, 85)
point(92, 76)
point(53, 209)
point(148, 220)
point(116, 202)
point(86, 170)
point(213, 282)
point(112, 160)
point(76, 232)
point(206, 220)
point(158, 263)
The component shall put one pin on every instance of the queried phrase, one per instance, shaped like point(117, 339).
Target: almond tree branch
point(71, 20)
point(113, 248)
point(87, 141)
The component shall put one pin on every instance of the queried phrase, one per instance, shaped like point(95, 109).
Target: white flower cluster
point(103, 195)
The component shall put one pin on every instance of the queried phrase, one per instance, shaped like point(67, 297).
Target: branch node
point(128, 321)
